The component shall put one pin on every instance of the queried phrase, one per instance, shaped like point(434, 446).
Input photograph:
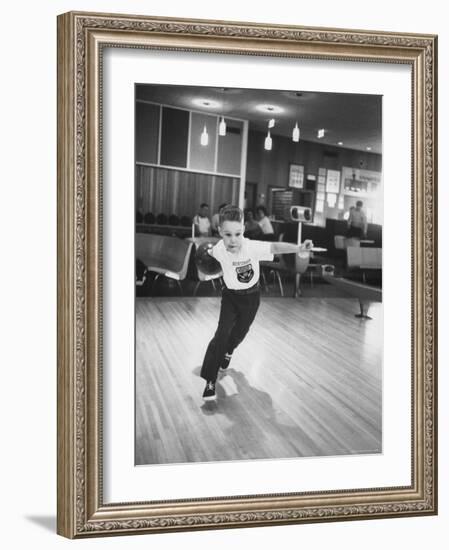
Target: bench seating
point(363, 259)
point(166, 256)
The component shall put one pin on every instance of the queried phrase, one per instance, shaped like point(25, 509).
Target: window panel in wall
point(174, 137)
point(230, 148)
point(202, 157)
point(147, 132)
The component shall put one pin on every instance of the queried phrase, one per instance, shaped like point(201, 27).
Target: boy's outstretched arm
point(290, 248)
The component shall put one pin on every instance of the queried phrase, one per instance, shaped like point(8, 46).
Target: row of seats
point(163, 219)
point(168, 257)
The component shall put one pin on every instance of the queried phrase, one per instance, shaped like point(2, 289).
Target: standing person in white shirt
point(202, 221)
point(264, 221)
point(357, 221)
point(239, 258)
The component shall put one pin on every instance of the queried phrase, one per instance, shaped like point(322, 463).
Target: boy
point(239, 258)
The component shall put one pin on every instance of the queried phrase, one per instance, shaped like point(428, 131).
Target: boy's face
point(232, 235)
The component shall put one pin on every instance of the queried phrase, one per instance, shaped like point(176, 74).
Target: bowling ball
point(204, 261)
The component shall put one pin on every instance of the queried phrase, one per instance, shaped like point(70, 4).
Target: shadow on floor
point(46, 522)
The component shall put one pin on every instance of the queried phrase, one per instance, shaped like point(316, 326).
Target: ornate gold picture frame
point(82, 509)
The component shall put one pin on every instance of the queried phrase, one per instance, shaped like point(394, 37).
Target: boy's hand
point(307, 244)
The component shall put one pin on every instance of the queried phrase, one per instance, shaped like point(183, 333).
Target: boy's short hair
point(203, 204)
point(359, 203)
point(230, 213)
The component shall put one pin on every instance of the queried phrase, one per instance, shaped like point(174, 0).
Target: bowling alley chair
point(149, 218)
point(185, 221)
point(173, 219)
point(285, 264)
point(165, 256)
point(162, 219)
point(364, 260)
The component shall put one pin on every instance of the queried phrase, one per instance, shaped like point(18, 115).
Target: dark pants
point(354, 232)
point(236, 315)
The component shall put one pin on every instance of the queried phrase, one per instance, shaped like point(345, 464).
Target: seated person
point(215, 219)
point(202, 222)
point(252, 228)
point(264, 223)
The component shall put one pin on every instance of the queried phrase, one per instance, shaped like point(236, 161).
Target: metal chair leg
point(180, 287)
point(153, 284)
point(297, 290)
point(264, 279)
point(281, 288)
point(196, 288)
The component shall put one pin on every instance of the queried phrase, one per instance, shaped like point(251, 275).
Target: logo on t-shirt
point(244, 273)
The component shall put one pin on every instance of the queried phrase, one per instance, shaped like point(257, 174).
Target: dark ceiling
point(354, 120)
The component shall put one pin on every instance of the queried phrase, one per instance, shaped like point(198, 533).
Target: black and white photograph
point(247, 275)
point(258, 274)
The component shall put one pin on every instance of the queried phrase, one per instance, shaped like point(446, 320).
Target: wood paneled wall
point(160, 190)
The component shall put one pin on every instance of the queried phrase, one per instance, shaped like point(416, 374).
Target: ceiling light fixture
point(272, 109)
point(320, 133)
point(340, 143)
point(206, 103)
point(222, 127)
point(204, 137)
point(268, 142)
point(271, 123)
point(296, 133)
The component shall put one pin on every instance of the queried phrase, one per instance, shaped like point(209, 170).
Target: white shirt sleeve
point(261, 250)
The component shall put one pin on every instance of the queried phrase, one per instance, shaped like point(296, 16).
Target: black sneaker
point(225, 362)
point(209, 391)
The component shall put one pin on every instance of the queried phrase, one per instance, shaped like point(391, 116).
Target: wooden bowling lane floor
point(306, 381)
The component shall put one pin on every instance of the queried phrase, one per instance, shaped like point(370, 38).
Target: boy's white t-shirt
point(241, 270)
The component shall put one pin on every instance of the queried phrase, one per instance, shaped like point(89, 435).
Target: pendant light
point(222, 127)
point(204, 137)
point(295, 133)
point(268, 142)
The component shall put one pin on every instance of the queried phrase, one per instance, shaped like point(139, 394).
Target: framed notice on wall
point(296, 176)
point(333, 181)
